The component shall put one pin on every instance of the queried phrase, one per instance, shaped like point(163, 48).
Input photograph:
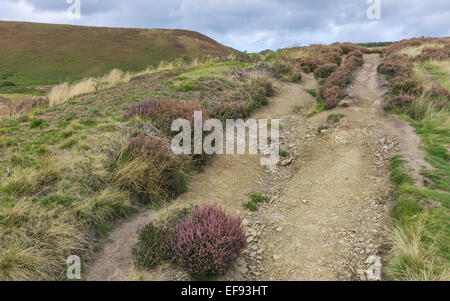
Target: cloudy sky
point(252, 25)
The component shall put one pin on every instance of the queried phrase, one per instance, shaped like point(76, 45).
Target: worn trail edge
point(330, 207)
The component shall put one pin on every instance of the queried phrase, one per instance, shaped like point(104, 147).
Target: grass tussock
point(419, 91)
point(60, 93)
point(55, 235)
point(420, 248)
point(74, 168)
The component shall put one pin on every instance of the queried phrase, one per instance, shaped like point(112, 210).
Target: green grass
point(252, 206)
point(435, 134)
point(283, 153)
point(314, 110)
point(439, 70)
point(255, 199)
point(46, 54)
point(421, 234)
point(193, 80)
point(258, 198)
point(38, 124)
point(312, 92)
point(335, 117)
point(64, 181)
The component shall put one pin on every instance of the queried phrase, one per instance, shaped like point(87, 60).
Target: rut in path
point(328, 209)
point(225, 180)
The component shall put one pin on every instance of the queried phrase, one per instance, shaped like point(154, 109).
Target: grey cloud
point(253, 24)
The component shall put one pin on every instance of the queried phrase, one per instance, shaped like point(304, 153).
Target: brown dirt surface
point(329, 208)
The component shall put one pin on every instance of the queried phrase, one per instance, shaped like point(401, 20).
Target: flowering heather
point(434, 54)
point(308, 64)
point(402, 101)
point(209, 241)
point(324, 71)
point(399, 72)
point(163, 112)
point(155, 147)
point(439, 92)
point(334, 88)
point(396, 65)
point(406, 85)
point(227, 110)
point(242, 101)
point(24, 105)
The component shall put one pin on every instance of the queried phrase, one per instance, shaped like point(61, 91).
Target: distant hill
point(35, 53)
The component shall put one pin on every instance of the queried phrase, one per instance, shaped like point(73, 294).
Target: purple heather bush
point(402, 101)
point(334, 88)
point(209, 241)
point(162, 112)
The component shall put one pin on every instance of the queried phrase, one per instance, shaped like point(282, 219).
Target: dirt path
point(328, 209)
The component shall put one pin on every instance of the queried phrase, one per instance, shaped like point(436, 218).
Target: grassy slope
point(421, 235)
point(39, 54)
point(61, 184)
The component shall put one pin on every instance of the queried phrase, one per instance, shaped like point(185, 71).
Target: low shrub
point(261, 88)
point(406, 85)
point(163, 112)
point(243, 101)
point(281, 68)
point(400, 101)
point(208, 242)
point(296, 76)
point(325, 71)
point(309, 64)
point(38, 123)
point(330, 94)
point(24, 105)
point(147, 168)
point(153, 247)
point(434, 54)
point(334, 88)
point(395, 65)
point(228, 110)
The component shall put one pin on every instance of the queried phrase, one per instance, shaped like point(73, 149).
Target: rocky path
point(330, 199)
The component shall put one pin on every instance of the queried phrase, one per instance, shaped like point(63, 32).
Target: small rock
point(286, 162)
point(276, 257)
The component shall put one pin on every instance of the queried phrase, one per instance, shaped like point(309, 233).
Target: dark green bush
point(153, 247)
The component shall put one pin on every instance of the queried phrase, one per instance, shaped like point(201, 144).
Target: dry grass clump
point(75, 168)
point(418, 250)
point(47, 213)
point(60, 93)
point(147, 168)
point(36, 241)
point(414, 51)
